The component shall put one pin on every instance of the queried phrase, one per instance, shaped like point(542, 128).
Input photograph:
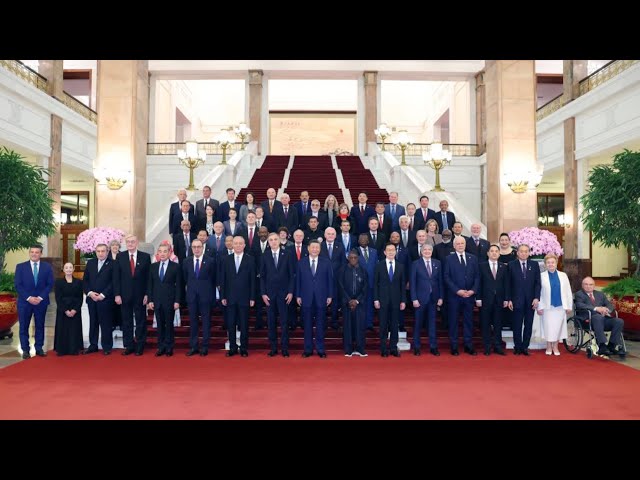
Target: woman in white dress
point(556, 302)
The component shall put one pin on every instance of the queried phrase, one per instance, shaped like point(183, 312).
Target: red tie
point(298, 252)
point(361, 209)
point(381, 222)
point(411, 224)
point(133, 266)
point(424, 214)
point(250, 237)
point(593, 300)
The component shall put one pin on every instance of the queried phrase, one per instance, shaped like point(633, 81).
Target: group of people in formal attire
point(304, 264)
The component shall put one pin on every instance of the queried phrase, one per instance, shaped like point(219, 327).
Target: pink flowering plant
point(540, 241)
point(89, 239)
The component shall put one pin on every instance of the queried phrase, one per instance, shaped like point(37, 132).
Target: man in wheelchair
point(594, 304)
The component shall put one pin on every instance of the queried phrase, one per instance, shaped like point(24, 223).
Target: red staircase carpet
point(314, 174)
point(258, 387)
point(270, 174)
point(358, 179)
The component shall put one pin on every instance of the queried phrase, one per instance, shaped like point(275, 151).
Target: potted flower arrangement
point(540, 241)
point(88, 240)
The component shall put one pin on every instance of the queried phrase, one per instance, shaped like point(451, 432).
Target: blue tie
point(329, 250)
point(313, 268)
point(444, 221)
point(390, 272)
point(197, 267)
point(162, 271)
point(35, 273)
point(393, 211)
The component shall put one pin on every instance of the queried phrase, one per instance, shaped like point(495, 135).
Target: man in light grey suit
point(589, 299)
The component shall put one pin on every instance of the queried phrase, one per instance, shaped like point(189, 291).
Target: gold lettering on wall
point(312, 133)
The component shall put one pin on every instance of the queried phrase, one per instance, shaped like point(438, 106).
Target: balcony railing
point(40, 82)
point(172, 148)
point(607, 72)
point(550, 107)
point(417, 149)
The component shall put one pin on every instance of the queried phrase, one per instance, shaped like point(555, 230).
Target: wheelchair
point(580, 335)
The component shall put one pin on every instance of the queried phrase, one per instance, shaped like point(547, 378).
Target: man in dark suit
point(199, 275)
point(215, 243)
point(415, 251)
point(334, 251)
point(462, 279)
point(300, 252)
point(203, 236)
point(238, 290)
point(303, 207)
point(186, 213)
point(402, 256)
point(97, 284)
point(286, 215)
point(260, 245)
point(175, 211)
point(323, 221)
point(182, 241)
point(315, 291)
point(523, 298)
point(271, 206)
point(361, 212)
point(313, 232)
point(393, 210)
point(444, 217)
point(377, 239)
point(475, 245)
point(33, 282)
point(389, 296)
point(277, 281)
point(589, 299)
point(424, 213)
point(368, 261)
point(130, 282)
point(352, 283)
point(384, 221)
point(164, 294)
point(407, 237)
point(231, 202)
point(426, 294)
point(491, 297)
point(441, 252)
point(413, 224)
point(201, 206)
point(347, 240)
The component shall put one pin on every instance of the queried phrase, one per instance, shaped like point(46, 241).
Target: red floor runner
point(258, 387)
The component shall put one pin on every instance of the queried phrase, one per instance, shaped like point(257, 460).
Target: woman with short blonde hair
point(556, 302)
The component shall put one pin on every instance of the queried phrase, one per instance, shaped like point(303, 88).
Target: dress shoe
point(192, 352)
point(516, 351)
point(244, 353)
point(349, 354)
point(454, 352)
point(416, 352)
point(362, 353)
point(58, 354)
point(322, 355)
point(106, 352)
point(384, 354)
point(499, 351)
point(525, 352)
point(370, 329)
point(487, 351)
point(139, 353)
point(41, 353)
point(160, 353)
point(128, 351)
point(204, 352)
point(470, 351)
point(26, 356)
point(604, 350)
point(285, 353)
point(90, 350)
point(273, 353)
point(231, 353)
point(556, 353)
point(169, 353)
point(434, 351)
point(395, 353)
point(306, 354)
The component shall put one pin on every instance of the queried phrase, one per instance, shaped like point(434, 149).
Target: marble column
point(481, 114)
point(123, 124)
point(53, 71)
point(510, 105)
point(255, 105)
point(370, 106)
point(573, 71)
point(54, 242)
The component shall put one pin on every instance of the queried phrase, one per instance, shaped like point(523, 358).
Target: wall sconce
point(225, 141)
point(520, 182)
point(383, 132)
point(113, 179)
point(243, 132)
point(564, 221)
point(402, 140)
point(192, 158)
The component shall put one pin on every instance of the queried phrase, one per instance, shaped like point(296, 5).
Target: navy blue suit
point(362, 219)
point(522, 291)
point(370, 268)
point(399, 211)
point(427, 290)
point(164, 294)
point(26, 287)
point(220, 249)
point(223, 211)
point(314, 290)
point(421, 221)
point(351, 243)
point(176, 212)
point(100, 312)
point(451, 219)
point(238, 289)
point(461, 277)
point(302, 212)
point(200, 297)
point(353, 285)
point(390, 293)
point(493, 293)
point(277, 283)
point(338, 259)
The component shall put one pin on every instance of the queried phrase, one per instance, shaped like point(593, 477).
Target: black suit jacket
point(493, 290)
point(386, 291)
point(131, 289)
point(323, 222)
point(480, 251)
point(200, 212)
point(280, 280)
point(338, 257)
point(99, 282)
point(522, 291)
point(168, 291)
point(451, 219)
point(238, 288)
point(202, 288)
point(179, 248)
point(379, 244)
point(386, 227)
point(174, 211)
point(291, 221)
point(177, 220)
point(270, 216)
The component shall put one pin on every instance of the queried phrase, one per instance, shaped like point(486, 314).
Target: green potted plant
point(611, 211)
point(26, 215)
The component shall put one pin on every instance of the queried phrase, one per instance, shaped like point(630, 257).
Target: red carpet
point(258, 387)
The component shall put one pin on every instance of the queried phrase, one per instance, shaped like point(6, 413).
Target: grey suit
point(599, 323)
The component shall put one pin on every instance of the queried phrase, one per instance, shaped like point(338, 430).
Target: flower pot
point(8, 314)
point(629, 310)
